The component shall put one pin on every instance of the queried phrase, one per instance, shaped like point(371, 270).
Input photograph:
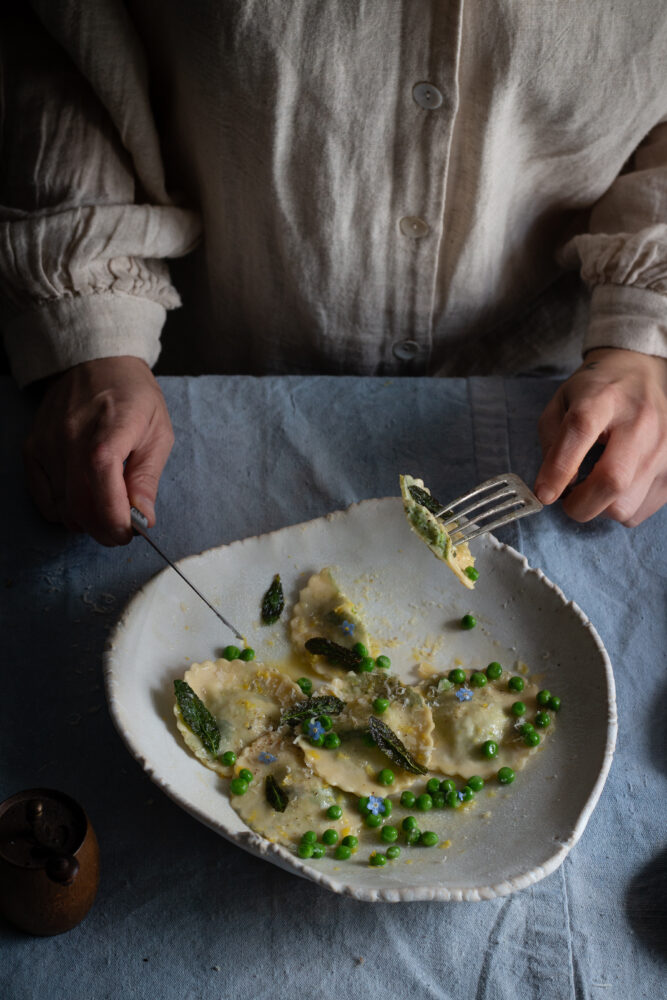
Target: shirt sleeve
point(86, 223)
point(623, 256)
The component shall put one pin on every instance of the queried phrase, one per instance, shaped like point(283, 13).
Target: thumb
point(142, 473)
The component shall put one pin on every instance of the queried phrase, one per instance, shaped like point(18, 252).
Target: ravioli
point(308, 796)
point(323, 610)
point(355, 765)
point(461, 728)
point(245, 699)
point(432, 531)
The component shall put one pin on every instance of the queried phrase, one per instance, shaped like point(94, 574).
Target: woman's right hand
point(100, 440)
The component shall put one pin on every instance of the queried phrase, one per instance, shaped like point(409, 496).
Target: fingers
point(144, 468)
point(566, 439)
point(653, 501)
point(101, 433)
point(618, 482)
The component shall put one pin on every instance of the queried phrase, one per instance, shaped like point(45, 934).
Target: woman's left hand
point(617, 398)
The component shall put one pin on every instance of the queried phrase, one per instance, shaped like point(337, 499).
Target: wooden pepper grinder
point(49, 861)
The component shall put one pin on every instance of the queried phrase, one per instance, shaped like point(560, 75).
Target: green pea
point(330, 837)
point(377, 859)
point(387, 808)
point(468, 621)
point(531, 738)
point(373, 821)
point(238, 786)
point(366, 665)
point(350, 841)
point(305, 684)
point(412, 836)
point(490, 749)
point(447, 785)
point(334, 812)
point(317, 741)
point(362, 804)
point(325, 722)
point(526, 728)
point(393, 852)
point(506, 775)
point(342, 853)
point(381, 705)
point(389, 834)
point(305, 850)
point(383, 662)
point(457, 676)
point(368, 740)
point(319, 850)
point(554, 703)
point(245, 774)
point(518, 708)
point(476, 783)
point(471, 573)
point(305, 727)
point(231, 653)
point(515, 683)
point(432, 785)
point(247, 654)
point(543, 697)
point(408, 799)
point(438, 799)
point(424, 802)
point(228, 758)
point(332, 741)
point(360, 649)
point(309, 837)
point(494, 671)
point(542, 719)
point(386, 776)
point(478, 679)
point(409, 823)
point(467, 793)
point(452, 800)
point(428, 838)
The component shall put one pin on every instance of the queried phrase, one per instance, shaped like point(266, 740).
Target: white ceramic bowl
point(516, 835)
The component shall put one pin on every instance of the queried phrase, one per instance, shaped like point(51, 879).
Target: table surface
point(183, 913)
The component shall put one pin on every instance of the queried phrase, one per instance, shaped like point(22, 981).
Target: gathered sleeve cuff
point(623, 256)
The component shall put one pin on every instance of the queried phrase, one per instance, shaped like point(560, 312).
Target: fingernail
point(145, 506)
point(545, 494)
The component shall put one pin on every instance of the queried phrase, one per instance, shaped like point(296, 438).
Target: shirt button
point(412, 226)
point(406, 350)
point(427, 96)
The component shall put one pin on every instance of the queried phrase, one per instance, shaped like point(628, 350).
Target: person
point(395, 188)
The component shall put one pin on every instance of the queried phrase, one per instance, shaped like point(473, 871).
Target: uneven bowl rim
point(276, 853)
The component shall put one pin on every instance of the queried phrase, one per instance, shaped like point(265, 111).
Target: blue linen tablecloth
point(181, 912)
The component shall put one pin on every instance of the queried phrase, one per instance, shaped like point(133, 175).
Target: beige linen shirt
point(382, 186)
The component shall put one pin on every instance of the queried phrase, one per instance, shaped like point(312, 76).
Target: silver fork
point(484, 502)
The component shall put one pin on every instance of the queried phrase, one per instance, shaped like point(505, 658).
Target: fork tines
point(506, 495)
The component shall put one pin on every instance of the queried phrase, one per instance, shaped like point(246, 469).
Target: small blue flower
point(315, 729)
point(348, 627)
point(459, 796)
point(267, 758)
point(376, 805)
point(464, 694)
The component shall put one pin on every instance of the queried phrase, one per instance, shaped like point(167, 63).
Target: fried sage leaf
point(334, 653)
point(425, 499)
point(196, 716)
point(276, 796)
point(389, 743)
point(273, 602)
point(325, 704)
